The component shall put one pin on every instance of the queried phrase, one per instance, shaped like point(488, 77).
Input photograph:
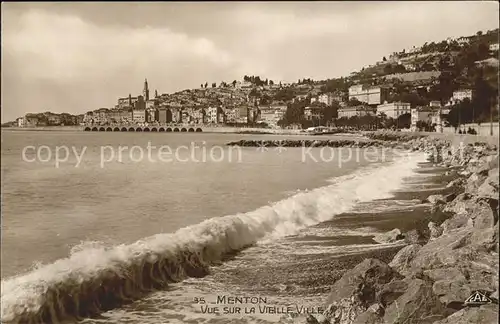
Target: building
point(231, 114)
point(494, 47)
point(138, 116)
point(359, 111)
point(460, 95)
point(423, 114)
point(313, 113)
point(151, 115)
point(393, 109)
point(126, 102)
point(21, 121)
point(371, 95)
point(214, 115)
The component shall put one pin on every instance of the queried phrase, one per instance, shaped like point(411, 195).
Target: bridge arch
point(124, 129)
point(87, 129)
point(183, 129)
point(191, 130)
point(146, 129)
point(199, 130)
point(131, 129)
point(116, 129)
point(138, 129)
point(176, 129)
point(161, 129)
point(154, 129)
point(95, 129)
point(169, 129)
point(109, 129)
point(102, 129)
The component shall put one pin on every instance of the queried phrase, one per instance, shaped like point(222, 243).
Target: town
point(449, 86)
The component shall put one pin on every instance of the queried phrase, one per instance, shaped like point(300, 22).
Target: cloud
point(66, 47)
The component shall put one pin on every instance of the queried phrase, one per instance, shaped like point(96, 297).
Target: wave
point(96, 278)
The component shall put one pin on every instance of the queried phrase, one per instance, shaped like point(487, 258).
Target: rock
point(413, 237)
point(443, 251)
point(435, 230)
point(311, 320)
point(389, 237)
point(401, 261)
point(484, 314)
point(456, 221)
point(416, 305)
point(373, 315)
point(483, 214)
point(344, 311)
point(452, 292)
point(391, 291)
point(436, 199)
point(459, 204)
point(474, 182)
point(445, 273)
point(489, 188)
point(450, 197)
point(459, 182)
point(362, 281)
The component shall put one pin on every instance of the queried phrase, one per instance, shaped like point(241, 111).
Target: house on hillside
point(371, 95)
point(394, 109)
point(493, 47)
point(359, 111)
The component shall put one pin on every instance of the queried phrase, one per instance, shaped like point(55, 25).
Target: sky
point(77, 57)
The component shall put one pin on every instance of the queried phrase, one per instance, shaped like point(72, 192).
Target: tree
point(201, 86)
point(404, 121)
point(214, 85)
point(234, 83)
point(354, 102)
point(206, 85)
point(271, 82)
point(384, 59)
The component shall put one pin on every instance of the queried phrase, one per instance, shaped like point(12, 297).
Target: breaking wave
point(96, 278)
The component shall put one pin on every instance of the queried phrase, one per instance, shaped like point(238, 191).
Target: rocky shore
point(430, 279)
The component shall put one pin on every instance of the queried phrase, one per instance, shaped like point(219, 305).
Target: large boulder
point(389, 237)
point(484, 213)
point(489, 188)
point(436, 199)
point(459, 204)
point(362, 281)
point(402, 260)
point(373, 315)
point(416, 305)
point(484, 314)
point(457, 183)
point(446, 250)
point(435, 231)
point(353, 293)
point(474, 182)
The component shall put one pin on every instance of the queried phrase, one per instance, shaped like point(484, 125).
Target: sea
point(102, 227)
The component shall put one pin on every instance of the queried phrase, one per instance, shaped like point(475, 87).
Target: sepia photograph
point(248, 162)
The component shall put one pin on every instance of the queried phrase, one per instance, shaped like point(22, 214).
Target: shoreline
point(444, 260)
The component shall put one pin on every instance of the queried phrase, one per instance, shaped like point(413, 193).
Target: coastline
point(446, 257)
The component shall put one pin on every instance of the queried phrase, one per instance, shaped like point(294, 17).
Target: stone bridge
point(172, 128)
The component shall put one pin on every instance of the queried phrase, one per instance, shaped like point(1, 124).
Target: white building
point(393, 109)
point(21, 121)
point(367, 94)
point(494, 47)
point(348, 112)
point(420, 114)
point(138, 116)
point(214, 115)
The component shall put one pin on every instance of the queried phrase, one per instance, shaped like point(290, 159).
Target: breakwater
point(431, 278)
